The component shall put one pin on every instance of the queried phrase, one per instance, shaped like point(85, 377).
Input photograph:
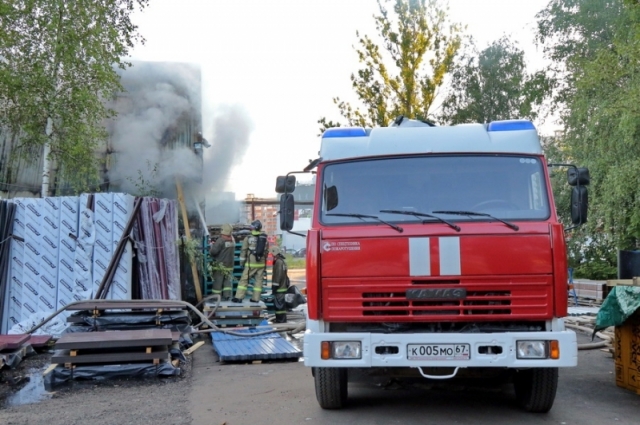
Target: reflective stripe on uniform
point(242, 287)
point(254, 265)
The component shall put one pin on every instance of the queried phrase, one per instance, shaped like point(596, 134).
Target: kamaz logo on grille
point(66, 265)
point(32, 248)
point(82, 266)
point(17, 261)
point(30, 288)
point(51, 203)
point(68, 246)
point(103, 226)
point(49, 242)
point(49, 262)
point(66, 285)
point(33, 229)
point(121, 208)
point(16, 301)
point(46, 302)
point(51, 223)
point(104, 207)
point(70, 207)
point(33, 270)
point(33, 210)
point(103, 246)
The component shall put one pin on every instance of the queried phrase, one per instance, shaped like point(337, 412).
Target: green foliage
point(420, 44)
point(295, 262)
point(493, 85)
point(58, 60)
point(596, 48)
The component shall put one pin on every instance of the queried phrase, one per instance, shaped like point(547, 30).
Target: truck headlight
point(341, 350)
point(532, 350)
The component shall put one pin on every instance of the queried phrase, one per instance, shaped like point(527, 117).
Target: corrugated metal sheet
point(260, 347)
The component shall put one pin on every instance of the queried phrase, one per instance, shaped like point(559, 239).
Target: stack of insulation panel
point(63, 248)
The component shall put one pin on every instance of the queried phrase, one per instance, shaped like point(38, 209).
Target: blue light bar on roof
point(344, 132)
point(511, 125)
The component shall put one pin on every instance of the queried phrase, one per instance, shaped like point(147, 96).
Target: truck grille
point(497, 299)
point(476, 302)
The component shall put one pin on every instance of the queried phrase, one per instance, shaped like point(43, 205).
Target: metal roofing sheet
point(259, 347)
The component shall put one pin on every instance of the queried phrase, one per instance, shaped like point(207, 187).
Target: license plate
point(438, 351)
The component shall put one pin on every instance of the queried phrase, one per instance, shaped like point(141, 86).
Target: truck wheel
point(536, 388)
point(331, 387)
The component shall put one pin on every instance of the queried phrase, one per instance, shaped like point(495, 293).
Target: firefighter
point(279, 284)
point(253, 256)
point(222, 253)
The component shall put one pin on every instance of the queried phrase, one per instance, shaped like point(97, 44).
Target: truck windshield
point(508, 187)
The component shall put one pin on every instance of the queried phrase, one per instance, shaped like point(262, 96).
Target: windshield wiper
point(473, 213)
point(363, 216)
point(419, 214)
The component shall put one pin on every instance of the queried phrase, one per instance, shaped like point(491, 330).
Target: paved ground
point(282, 392)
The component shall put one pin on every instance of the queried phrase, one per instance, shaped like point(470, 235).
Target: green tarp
point(621, 303)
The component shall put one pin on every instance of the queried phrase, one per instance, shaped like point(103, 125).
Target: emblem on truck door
point(437, 294)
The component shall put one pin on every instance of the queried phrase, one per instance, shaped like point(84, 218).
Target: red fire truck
point(438, 251)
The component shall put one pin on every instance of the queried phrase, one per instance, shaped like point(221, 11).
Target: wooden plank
point(11, 342)
point(187, 234)
point(105, 305)
point(49, 369)
point(63, 356)
point(193, 348)
point(115, 339)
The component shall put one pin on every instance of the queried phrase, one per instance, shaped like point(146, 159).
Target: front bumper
point(506, 341)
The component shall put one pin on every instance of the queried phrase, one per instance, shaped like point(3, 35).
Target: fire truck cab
point(437, 250)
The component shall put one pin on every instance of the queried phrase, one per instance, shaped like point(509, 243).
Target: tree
point(595, 45)
point(57, 66)
point(420, 44)
point(493, 85)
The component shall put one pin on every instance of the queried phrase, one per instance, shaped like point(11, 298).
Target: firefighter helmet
point(227, 229)
point(256, 225)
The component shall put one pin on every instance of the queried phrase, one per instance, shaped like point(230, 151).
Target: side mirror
point(578, 176)
point(286, 212)
point(285, 184)
point(579, 204)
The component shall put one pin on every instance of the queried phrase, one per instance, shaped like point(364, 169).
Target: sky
point(282, 62)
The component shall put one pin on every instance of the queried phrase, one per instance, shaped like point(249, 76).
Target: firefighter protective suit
point(279, 284)
point(253, 255)
point(222, 254)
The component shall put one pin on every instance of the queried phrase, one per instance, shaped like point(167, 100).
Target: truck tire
point(331, 387)
point(536, 388)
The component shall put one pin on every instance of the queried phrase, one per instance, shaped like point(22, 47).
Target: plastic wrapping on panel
point(54, 327)
point(13, 359)
point(61, 374)
point(181, 317)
